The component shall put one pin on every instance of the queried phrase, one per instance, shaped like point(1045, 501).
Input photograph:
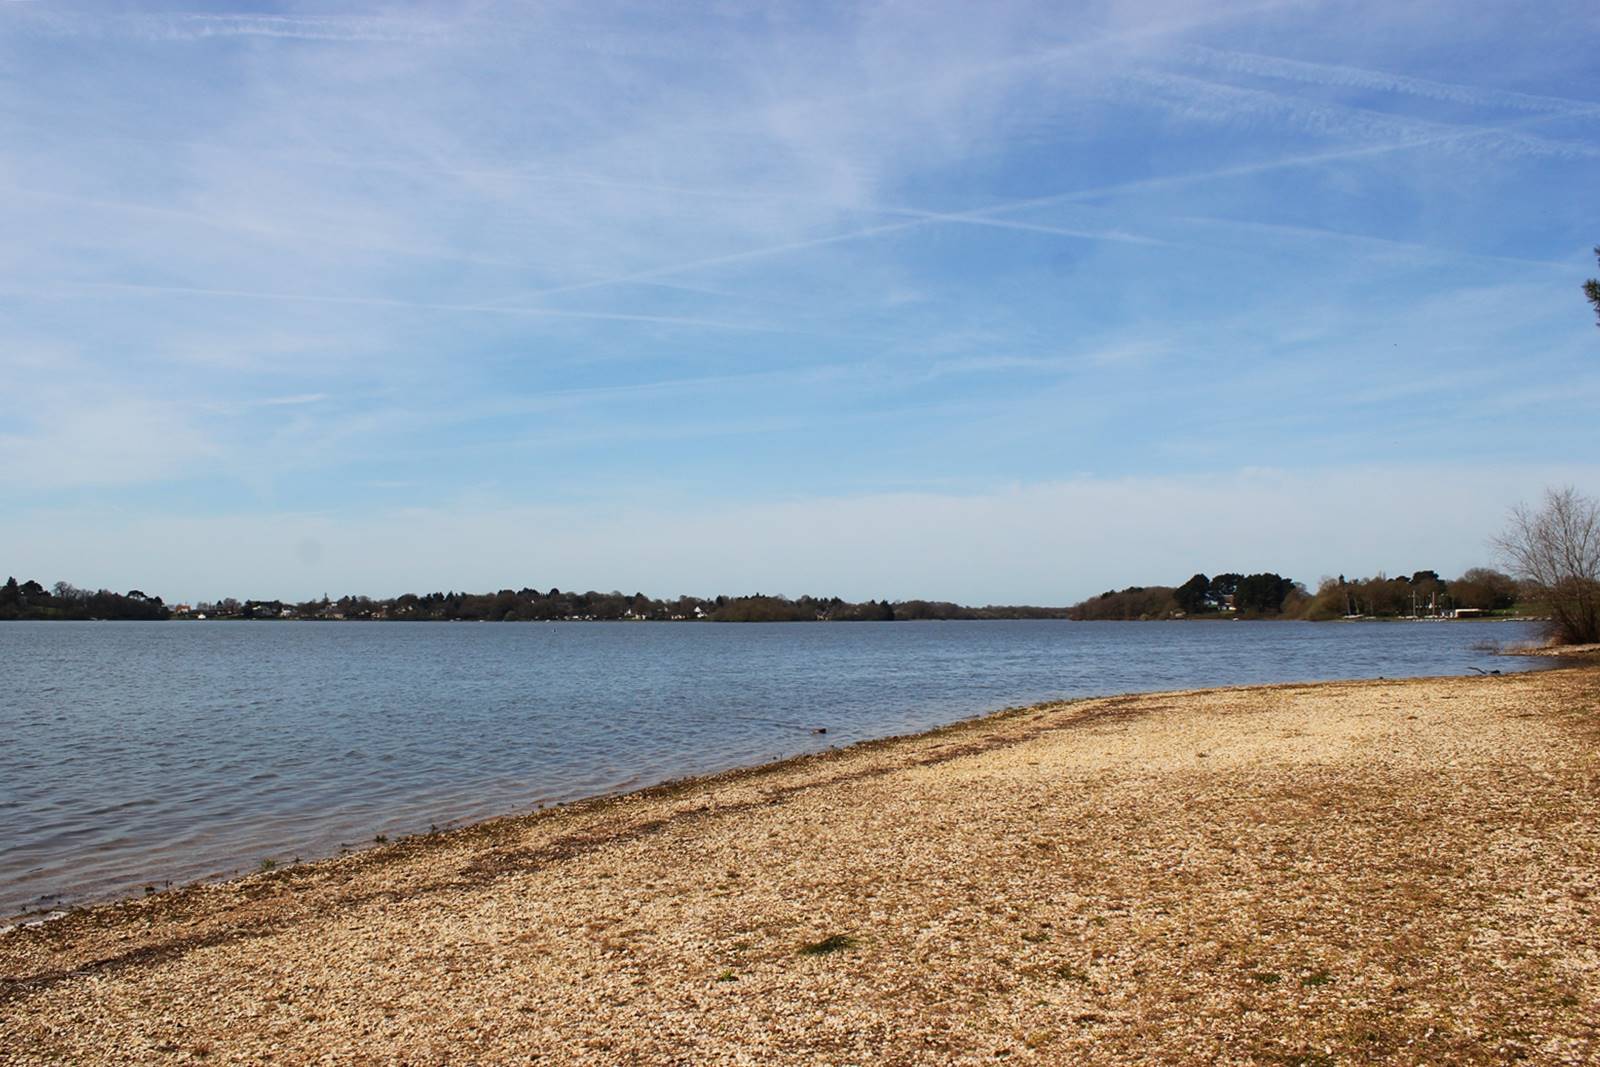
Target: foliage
point(760, 608)
point(1194, 596)
point(1228, 593)
point(1223, 586)
point(870, 611)
point(30, 600)
point(1270, 595)
point(1261, 594)
point(1556, 552)
point(528, 604)
point(1134, 602)
point(1422, 594)
point(1484, 589)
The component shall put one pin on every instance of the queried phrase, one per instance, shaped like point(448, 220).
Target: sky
point(985, 302)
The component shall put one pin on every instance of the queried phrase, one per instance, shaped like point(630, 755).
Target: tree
point(1556, 551)
point(1591, 289)
point(1134, 602)
point(1484, 589)
point(1194, 596)
point(1261, 594)
point(1223, 587)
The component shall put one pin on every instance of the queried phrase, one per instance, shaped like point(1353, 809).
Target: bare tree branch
point(1556, 552)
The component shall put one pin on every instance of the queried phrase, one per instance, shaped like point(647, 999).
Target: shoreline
point(771, 622)
point(406, 843)
point(152, 839)
point(653, 866)
point(55, 913)
point(1579, 653)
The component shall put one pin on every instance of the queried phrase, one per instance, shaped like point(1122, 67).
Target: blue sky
point(988, 302)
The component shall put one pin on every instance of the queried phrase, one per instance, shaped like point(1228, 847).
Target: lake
point(153, 753)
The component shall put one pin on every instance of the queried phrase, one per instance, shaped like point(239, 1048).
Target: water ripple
point(143, 754)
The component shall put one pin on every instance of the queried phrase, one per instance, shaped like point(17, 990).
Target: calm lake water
point(146, 753)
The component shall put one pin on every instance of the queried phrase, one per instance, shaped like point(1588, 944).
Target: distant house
point(182, 609)
point(1468, 613)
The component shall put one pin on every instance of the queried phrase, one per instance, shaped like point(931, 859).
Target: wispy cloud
point(1208, 100)
point(567, 250)
point(385, 302)
point(203, 27)
point(1398, 135)
point(1348, 77)
point(1374, 243)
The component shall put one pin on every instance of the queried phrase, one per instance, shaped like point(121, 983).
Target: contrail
point(199, 27)
point(390, 302)
point(1321, 233)
point(987, 214)
point(1383, 81)
point(1320, 118)
point(734, 257)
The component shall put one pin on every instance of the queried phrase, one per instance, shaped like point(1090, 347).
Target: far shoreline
point(1476, 619)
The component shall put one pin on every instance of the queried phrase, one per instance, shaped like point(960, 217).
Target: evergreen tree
point(1194, 596)
point(1591, 289)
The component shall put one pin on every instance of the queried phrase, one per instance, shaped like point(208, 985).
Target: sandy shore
point(1557, 651)
point(1402, 872)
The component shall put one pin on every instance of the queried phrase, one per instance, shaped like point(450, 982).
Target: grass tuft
point(830, 944)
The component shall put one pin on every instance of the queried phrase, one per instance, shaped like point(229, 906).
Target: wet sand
point(1393, 872)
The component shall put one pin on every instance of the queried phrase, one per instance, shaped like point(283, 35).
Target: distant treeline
point(1264, 595)
point(1269, 595)
point(514, 605)
point(30, 600)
